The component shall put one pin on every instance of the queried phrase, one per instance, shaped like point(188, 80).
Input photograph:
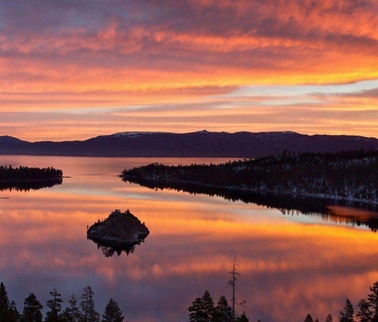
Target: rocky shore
point(121, 231)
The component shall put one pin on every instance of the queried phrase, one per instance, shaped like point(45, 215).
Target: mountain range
point(194, 144)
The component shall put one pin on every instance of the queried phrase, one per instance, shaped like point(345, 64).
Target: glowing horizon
point(77, 70)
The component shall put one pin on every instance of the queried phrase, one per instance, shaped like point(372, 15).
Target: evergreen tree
point(55, 307)
point(89, 314)
point(14, 316)
point(308, 318)
point(373, 301)
point(32, 309)
point(202, 309)
point(316, 320)
point(71, 313)
point(364, 314)
point(112, 312)
point(8, 311)
point(329, 318)
point(196, 310)
point(348, 314)
point(242, 318)
point(4, 303)
point(208, 306)
point(222, 312)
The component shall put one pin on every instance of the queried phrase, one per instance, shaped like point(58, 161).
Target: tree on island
point(32, 309)
point(88, 307)
point(112, 312)
point(72, 313)
point(55, 307)
point(290, 179)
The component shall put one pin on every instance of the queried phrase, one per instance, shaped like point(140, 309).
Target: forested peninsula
point(283, 181)
point(26, 178)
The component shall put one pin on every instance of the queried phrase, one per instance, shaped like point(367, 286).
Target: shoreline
point(172, 184)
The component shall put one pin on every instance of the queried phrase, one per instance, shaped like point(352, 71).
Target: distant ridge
point(194, 144)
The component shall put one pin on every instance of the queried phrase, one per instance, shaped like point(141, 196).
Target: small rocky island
point(121, 231)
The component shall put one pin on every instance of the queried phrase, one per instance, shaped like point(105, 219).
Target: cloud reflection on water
point(288, 268)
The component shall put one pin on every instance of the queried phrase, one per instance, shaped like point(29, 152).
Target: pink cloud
point(67, 55)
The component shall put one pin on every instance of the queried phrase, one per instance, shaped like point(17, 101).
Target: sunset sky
point(74, 69)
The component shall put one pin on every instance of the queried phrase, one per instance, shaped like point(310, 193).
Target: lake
point(290, 264)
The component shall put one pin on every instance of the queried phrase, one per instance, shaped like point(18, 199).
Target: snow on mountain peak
point(133, 135)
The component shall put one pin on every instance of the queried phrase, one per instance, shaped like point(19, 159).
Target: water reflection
point(287, 204)
point(353, 216)
point(29, 185)
point(289, 267)
point(110, 250)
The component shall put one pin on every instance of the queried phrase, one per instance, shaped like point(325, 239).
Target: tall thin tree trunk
point(232, 283)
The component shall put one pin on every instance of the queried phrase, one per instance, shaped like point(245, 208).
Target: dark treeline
point(8, 173)
point(25, 178)
point(307, 183)
point(203, 309)
point(367, 309)
point(351, 176)
point(84, 311)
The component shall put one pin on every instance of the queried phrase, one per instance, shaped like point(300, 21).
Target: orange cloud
point(56, 57)
point(297, 41)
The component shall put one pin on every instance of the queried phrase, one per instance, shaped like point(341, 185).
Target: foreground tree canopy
point(83, 312)
point(204, 310)
point(367, 309)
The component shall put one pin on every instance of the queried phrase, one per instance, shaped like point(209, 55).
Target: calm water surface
point(290, 265)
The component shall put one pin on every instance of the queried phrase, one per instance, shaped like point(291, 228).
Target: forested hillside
point(26, 178)
point(348, 176)
point(8, 173)
point(195, 144)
